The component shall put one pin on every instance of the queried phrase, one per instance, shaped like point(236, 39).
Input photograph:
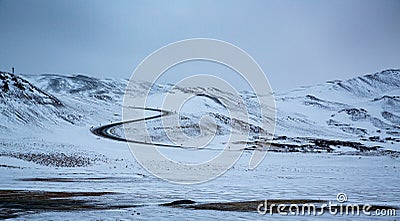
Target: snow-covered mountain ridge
point(22, 103)
point(361, 113)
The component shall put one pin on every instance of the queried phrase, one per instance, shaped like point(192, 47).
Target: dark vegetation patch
point(10, 167)
point(15, 203)
point(251, 206)
point(309, 144)
point(54, 159)
point(178, 202)
point(66, 179)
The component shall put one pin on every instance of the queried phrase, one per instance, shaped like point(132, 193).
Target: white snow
point(30, 127)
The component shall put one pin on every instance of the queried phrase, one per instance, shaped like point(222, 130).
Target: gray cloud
point(295, 42)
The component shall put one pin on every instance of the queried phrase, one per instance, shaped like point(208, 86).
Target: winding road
point(104, 131)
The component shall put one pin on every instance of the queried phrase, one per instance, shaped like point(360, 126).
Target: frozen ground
point(365, 179)
point(330, 138)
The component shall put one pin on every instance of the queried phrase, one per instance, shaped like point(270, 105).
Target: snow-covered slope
point(363, 109)
point(24, 104)
point(37, 102)
point(94, 100)
point(81, 86)
point(362, 113)
point(359, 114)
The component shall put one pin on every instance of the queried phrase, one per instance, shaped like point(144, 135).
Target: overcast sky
point(295, 42)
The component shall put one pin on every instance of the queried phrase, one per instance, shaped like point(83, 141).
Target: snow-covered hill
point(81, 87)
point(359, 114)
point(352, 116)
point(363, 109)
point(40, 102)
point(23, 104)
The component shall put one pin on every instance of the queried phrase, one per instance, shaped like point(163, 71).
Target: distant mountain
point(81, 86)
point(359, 114)
point(50, 99)
point(365, 109)
point(371, 84)
point(363, 112)
point(22, 103)
point(15, 88)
